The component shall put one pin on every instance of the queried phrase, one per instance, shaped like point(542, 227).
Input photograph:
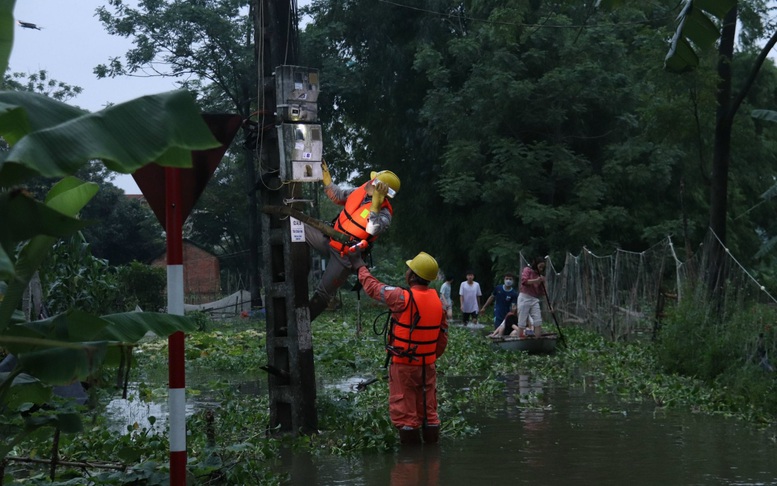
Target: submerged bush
point(698, 341)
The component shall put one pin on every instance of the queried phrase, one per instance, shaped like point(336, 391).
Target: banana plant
point(52, 139)
point(697, 29)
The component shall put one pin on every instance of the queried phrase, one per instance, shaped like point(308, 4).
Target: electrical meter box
point(301, 152)
point(296, 91)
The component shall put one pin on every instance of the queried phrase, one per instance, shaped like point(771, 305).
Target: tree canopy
point(540, 127)
point(209, 46)
point(534, 127)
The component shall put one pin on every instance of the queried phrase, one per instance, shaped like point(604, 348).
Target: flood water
point(545, 435)
point(566, 436)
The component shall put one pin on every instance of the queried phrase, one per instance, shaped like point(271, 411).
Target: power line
point(514, 24)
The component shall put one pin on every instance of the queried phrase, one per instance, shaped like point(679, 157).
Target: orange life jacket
point(352, 220)
point(414, 333)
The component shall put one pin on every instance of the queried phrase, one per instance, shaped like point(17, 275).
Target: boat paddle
point(553, 313)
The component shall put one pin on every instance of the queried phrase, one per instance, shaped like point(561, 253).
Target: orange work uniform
point(418, 336)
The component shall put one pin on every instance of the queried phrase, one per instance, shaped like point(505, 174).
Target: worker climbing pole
point(289, 150)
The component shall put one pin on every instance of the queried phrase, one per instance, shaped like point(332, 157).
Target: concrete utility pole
point(292, 384)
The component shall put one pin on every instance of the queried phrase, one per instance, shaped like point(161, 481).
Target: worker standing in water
point(417, 336)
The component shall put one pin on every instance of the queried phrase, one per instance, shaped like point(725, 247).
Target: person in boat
point(503, 297)
point(366, 214)
point(417, 336)
point(532, 290)
point(509, 325)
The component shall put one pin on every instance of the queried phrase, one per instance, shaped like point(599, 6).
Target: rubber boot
point(431, 434)
point(317, 304)
point(409, 435)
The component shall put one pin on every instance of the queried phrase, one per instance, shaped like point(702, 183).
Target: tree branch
point(751, 77)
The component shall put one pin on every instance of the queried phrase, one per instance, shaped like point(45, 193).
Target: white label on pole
point(176, 401)
point(297, 230)
point(175, 290)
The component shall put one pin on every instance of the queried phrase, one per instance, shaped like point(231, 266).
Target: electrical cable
point(514, 24)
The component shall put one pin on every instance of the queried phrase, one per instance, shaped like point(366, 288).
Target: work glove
point(326, 177)
point(378, 195)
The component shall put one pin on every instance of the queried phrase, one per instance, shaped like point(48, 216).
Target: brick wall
point(201, 274)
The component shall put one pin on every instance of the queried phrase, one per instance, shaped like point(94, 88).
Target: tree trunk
point(725, 119)
point(721, 155)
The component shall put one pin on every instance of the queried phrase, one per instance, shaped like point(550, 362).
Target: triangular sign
point(151, 178)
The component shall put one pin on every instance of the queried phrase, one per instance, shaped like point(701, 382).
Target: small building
point(201, 273)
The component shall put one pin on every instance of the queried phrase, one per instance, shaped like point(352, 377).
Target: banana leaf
point(75, 326)
point(61, 365)
point(768, 115)
point(24, 389)
point(77, 334)
point(53, 139)
point(24, 218)
point(130, 327)
point(697, 30)
point(67, 422)
point(67, 197)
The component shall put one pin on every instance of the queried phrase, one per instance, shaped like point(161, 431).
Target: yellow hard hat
point(388, 177)
point(424, 265)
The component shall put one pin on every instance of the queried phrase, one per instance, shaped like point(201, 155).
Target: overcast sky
point(69, 45)
point(71, 42)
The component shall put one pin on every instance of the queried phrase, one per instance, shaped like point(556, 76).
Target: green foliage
point(143, 285)
point(209, 47)
point(205, 42)
point(72, 278)
point(697, 341)
point(499, 173)
point(355, 422)
point(696, 30)
point(40, 82)
point(547, 132)
point(120, 229)
point(48, 138)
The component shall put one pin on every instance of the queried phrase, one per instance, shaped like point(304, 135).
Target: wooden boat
point(546, 344)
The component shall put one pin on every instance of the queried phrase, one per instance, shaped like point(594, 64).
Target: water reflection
point(416, 465)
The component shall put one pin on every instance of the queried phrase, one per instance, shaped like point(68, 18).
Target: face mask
point(508, 282)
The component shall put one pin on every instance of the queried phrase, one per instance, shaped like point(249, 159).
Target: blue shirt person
point(503, 297)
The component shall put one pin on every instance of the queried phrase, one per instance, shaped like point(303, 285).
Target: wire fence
point(626, 293)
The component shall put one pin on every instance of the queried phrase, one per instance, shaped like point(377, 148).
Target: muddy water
point(544, 435)
point(561, 436)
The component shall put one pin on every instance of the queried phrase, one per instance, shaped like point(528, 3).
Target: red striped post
point(175, 358)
